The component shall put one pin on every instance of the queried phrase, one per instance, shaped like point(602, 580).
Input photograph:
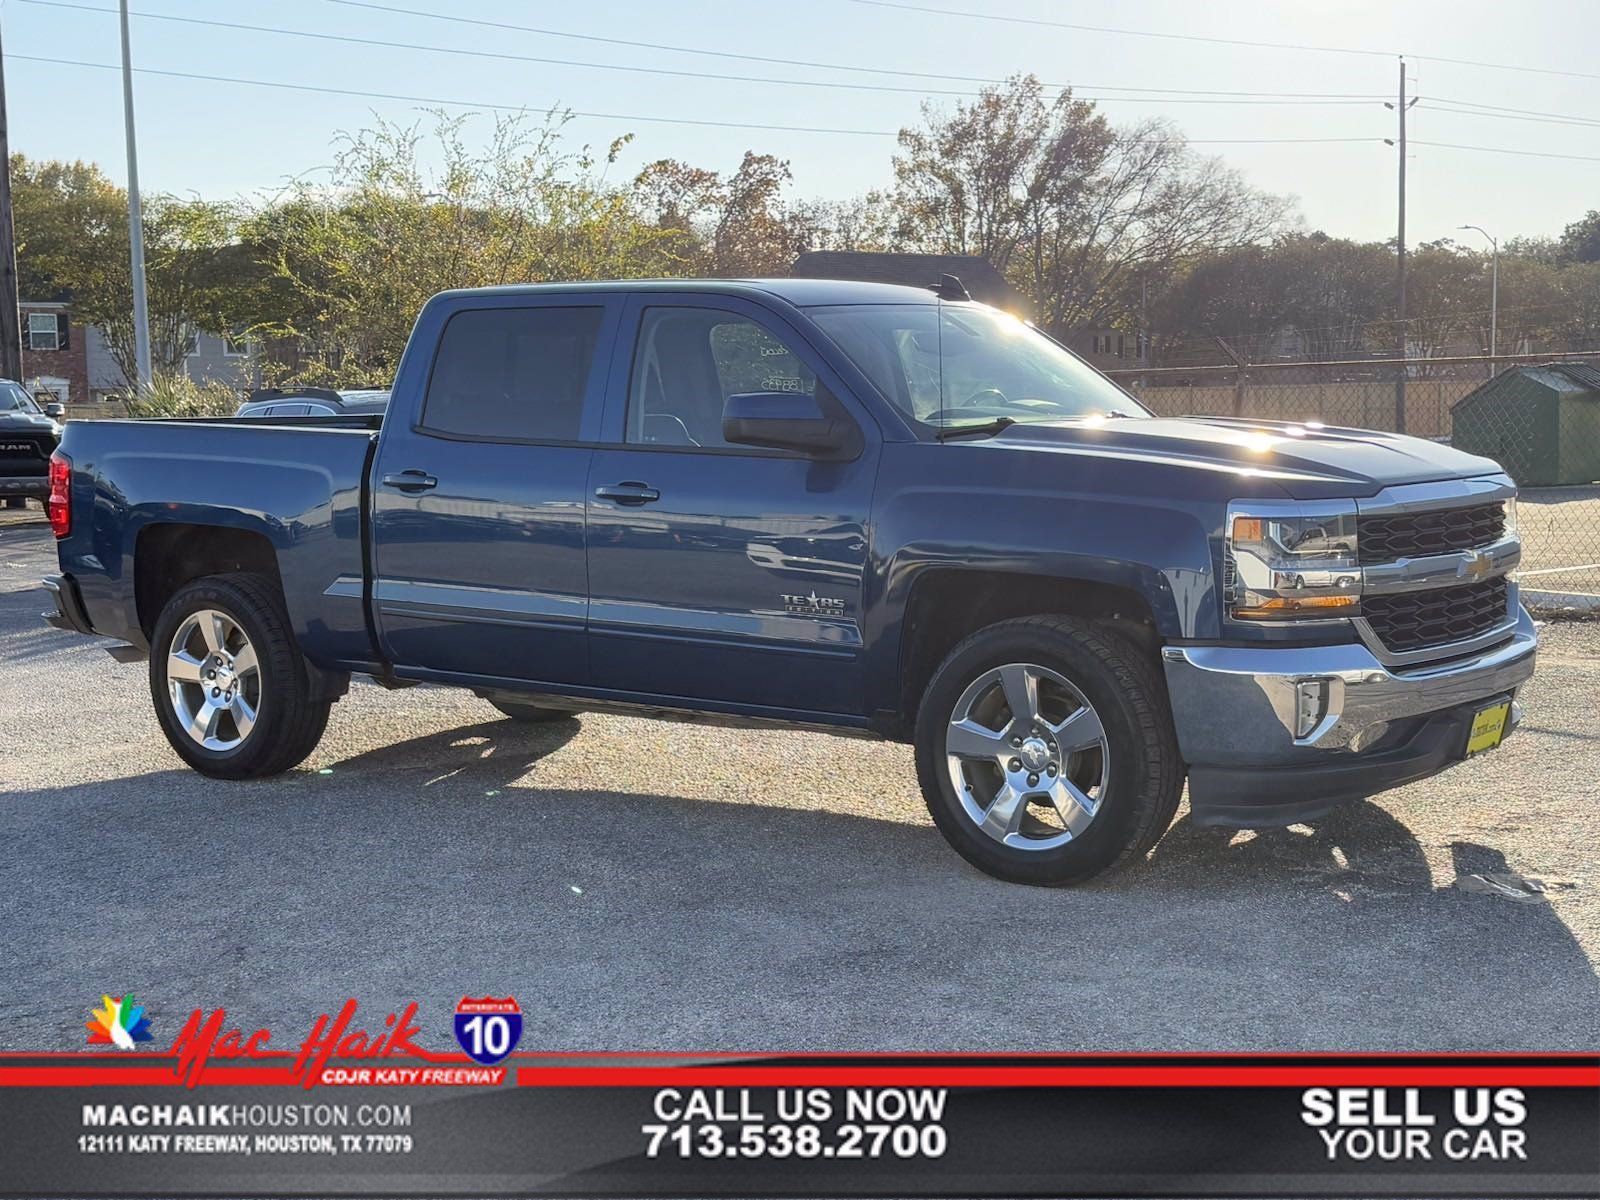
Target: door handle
point(411, 481)
point(628, 493)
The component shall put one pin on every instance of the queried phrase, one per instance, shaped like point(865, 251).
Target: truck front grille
point(1422, 620)
point(1385, 539)
point(23, 453)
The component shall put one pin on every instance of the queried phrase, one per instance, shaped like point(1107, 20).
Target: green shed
point(1542, 424)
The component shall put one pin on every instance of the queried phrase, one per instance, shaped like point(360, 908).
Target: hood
point(1307, 460)
point(28, 422)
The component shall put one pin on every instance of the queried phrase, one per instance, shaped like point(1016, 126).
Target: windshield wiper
point(985, 429)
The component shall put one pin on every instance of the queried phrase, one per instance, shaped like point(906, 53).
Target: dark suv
point(28, 436)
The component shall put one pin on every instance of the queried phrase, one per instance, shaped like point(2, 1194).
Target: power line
point(333, 91)
point(434, 100)
point(1222, 41)
point(1239, 98)
point(1541, 119)
point(1507, 150)
point(943, 76)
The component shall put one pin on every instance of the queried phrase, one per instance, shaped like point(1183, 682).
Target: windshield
point(949, 365)
point(14, 398)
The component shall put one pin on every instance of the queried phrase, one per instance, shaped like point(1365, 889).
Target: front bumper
point(1274, 735)
point(37, 486)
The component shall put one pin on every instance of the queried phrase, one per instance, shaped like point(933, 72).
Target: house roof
point(978, 275)
point(1586, 374)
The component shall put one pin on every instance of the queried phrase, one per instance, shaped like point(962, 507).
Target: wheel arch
point(167, 555)
point(948, 604)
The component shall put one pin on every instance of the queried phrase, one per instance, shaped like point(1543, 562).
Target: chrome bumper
point(1312, 706)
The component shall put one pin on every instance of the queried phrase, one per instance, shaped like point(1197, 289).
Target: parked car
point(855, 507)
point(313, 402)
point(28, 436)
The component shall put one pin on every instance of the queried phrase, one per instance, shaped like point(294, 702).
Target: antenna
point(950, 287)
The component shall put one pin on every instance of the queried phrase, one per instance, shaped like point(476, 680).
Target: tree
point(350, 264)
point(72, 232)
point(738, 226)
point(1074, 211)
point(1580, 241)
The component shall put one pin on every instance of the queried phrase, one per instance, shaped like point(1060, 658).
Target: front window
point(14, 398)
point(949, 365)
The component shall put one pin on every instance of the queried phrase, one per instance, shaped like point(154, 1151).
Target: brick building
point(53, 352)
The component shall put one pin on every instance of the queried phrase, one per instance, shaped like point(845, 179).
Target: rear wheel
point(1046, 751)
point(16, 502)
point(230, 687)
point(533, 714)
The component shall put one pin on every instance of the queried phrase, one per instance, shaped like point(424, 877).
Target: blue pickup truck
point(878, 510)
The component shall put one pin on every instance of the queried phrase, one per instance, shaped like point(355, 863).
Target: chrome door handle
point(411, 481)
point(628, 493)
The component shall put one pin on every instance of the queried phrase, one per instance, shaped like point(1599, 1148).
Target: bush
point(180, 396)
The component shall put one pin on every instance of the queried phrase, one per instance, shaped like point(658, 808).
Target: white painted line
point(1560, 570)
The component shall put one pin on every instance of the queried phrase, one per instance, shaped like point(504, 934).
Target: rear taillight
point(60, 502)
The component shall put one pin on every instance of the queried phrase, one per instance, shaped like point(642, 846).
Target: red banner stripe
point(1137, 1076)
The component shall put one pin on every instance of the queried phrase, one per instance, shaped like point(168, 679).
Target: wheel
point(16, 502)
point(229, 684)
point(531, 713)
point(1046, 752)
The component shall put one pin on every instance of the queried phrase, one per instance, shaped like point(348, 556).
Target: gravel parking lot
point(645, 885)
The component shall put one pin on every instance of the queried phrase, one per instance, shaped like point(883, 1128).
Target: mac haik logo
point(119, 1022)
point(488, 1029)
point(207, 1036)
point(813, 605)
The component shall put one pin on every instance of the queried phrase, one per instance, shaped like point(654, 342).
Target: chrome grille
point(1420, 620)
point(1385, 539)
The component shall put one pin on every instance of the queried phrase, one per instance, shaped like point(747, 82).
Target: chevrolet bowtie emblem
point(1478, 564)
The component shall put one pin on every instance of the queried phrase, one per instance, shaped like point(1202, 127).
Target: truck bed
point(298, 484)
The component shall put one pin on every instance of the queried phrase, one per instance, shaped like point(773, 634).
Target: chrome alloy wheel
point(1027, 757)
point(214, 680)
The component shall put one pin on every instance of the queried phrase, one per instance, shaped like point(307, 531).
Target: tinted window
point(690, 360)
point(513, 373)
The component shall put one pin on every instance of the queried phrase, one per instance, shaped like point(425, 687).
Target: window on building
point(690, 360)
point(46, 331)
point(516, 374)
point(234, 343)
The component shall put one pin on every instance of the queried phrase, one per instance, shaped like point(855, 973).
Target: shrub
point(180, 396)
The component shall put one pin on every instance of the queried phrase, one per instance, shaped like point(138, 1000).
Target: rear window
point(513, 374)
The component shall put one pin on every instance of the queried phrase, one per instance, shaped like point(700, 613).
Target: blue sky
point(226, 140)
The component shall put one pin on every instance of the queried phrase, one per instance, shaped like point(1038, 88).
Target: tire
point(16, 502)
point(1028, 827)
point(531, 714)
point(289, 717)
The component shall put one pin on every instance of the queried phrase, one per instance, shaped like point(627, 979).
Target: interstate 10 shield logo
point(488, 1029)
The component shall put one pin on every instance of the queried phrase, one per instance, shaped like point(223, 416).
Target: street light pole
point(1494, 292)
point(141, 311)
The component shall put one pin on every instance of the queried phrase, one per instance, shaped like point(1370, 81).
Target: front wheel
point(1046, 752)
point(230, 687)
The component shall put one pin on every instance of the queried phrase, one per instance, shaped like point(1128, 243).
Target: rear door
point(478, 504)
point(722, 573)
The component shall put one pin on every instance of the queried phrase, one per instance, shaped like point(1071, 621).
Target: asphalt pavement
point(644, 885)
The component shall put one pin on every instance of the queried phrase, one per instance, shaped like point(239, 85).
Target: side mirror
point(56, 410)
point(817, 426)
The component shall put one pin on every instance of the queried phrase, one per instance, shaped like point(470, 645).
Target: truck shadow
point(463, 860)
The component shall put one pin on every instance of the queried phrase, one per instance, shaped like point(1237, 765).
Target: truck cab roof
point(802, 293)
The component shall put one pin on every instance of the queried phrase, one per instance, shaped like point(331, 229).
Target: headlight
point(1292, 563)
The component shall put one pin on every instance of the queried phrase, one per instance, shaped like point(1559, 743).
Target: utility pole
point(1400, 108)
point(10, 316)
point(141, 312)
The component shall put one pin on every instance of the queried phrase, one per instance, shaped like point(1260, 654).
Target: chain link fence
point(1538, 417)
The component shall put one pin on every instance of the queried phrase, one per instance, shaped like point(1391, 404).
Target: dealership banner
point(357, 1104)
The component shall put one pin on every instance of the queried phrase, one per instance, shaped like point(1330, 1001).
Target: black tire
point(290, 717)
point(1144, 776)
point(16, 502)
point(531, 714)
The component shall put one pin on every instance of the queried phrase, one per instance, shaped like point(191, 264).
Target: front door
point(717, 572)
point(478, 506)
